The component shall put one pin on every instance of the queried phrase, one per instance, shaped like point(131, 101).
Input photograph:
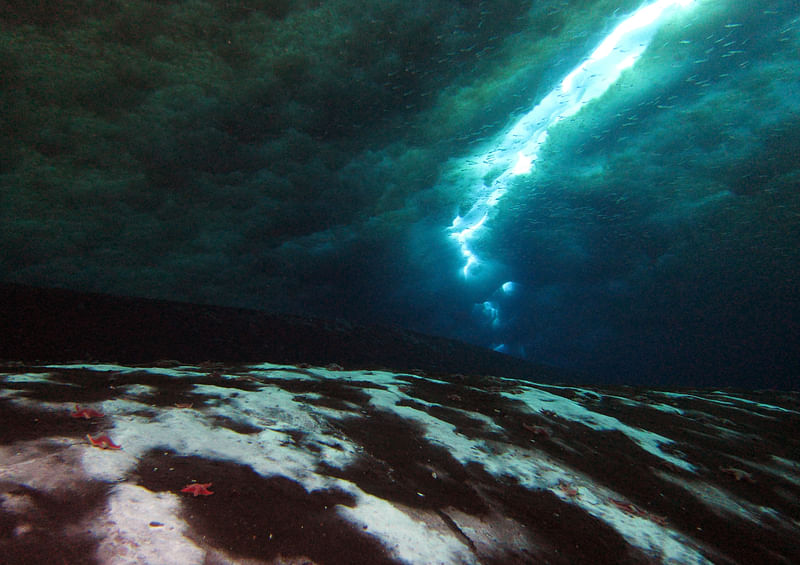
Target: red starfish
point(568, 489)
point(103, 442)
point(634, 510)
point(197, 489)
point(86, 413)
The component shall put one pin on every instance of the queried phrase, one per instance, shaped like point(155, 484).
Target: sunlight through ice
point(516, 150)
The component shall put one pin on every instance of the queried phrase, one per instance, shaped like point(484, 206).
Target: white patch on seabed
point(414, 536)
point(126, 536)
point(413, 541)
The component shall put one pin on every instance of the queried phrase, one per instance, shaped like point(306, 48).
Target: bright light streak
point(490, 310)
point(626, 63)
point(508, 287)
point(517, 149)
point(471, 261)
point(495, 197)
point(523, 166)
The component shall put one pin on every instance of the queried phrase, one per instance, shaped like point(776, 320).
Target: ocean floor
point(230, 463)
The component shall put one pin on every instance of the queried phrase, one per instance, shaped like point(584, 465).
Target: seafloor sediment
point(230, 463)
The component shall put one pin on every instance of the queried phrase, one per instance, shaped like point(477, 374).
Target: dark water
point(309, 157)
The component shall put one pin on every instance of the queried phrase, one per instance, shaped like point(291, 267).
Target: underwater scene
point(414, 281)
point(605, 186)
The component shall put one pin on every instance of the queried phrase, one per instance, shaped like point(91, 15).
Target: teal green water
point(310, 156)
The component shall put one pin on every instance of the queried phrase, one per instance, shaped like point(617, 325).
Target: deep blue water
point(326, 157)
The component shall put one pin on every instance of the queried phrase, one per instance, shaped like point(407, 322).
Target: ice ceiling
point(605, 186)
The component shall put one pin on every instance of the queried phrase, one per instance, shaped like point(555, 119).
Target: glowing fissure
point(516, 150)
